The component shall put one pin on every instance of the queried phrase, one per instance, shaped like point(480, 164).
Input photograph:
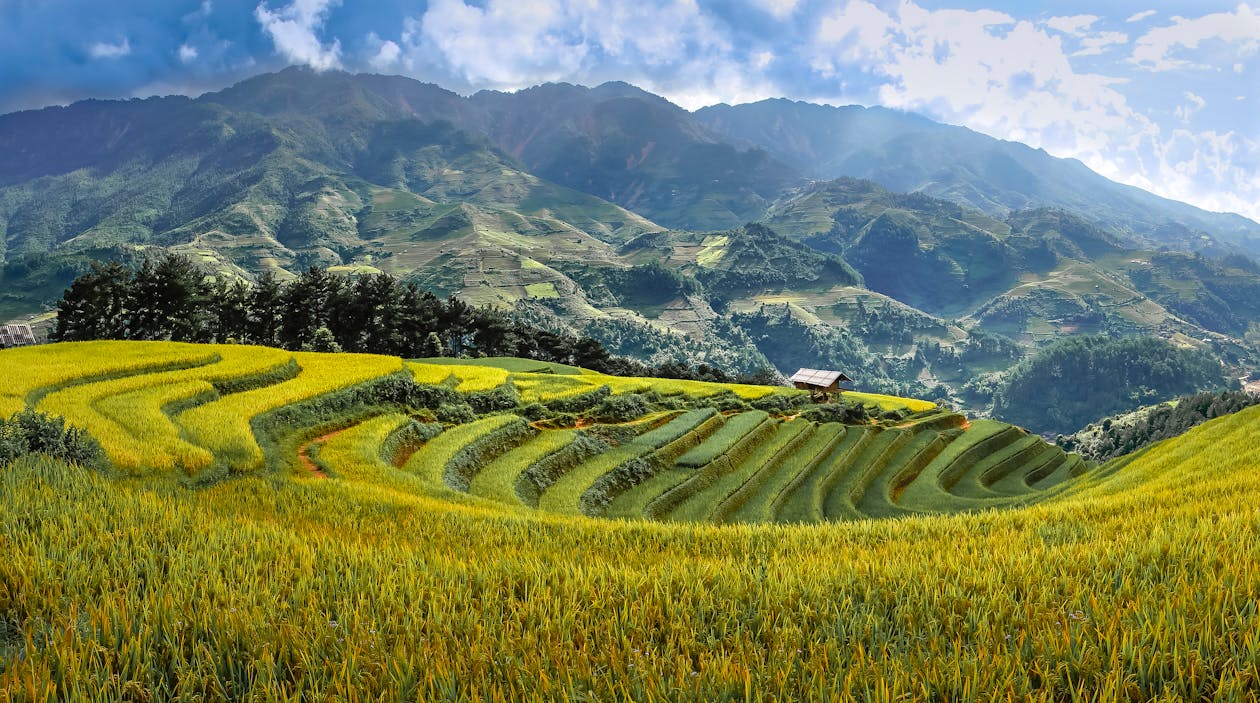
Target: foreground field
point(1137, 580)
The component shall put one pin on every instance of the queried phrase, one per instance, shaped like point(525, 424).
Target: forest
point(173, 299)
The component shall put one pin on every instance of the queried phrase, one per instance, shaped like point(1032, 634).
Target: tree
point(95, 305)
point(170, 300)
point(456, 321)
point(230, 311)
point(265, 301)
point(322, 341)
point(307, 303)
point(432, 346)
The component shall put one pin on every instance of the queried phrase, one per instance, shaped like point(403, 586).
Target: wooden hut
point(823, 385)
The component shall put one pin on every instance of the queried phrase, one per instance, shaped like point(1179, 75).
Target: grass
point(497, 480)
point(762, 505)
point(211, 412)
point(32, 372)
point(128, 415)
point(1136, 580)
point(435, 462)
point(839, 495)
point(1122, 591)
point(725, 439)
point(889, 402)
point(355, 453)
point(223, 426)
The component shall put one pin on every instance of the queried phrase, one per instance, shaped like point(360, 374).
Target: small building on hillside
point(823, 385)
point(16, 336)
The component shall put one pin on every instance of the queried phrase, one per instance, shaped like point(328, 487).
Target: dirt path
point(304, 454)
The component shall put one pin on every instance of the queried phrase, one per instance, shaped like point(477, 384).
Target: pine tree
point(95, 305)
point(264, 311)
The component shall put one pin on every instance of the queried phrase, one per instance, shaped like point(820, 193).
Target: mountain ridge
point(607, 211)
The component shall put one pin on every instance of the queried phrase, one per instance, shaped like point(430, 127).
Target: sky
point(1164, 96)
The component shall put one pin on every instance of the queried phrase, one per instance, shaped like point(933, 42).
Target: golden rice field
point(696, 553)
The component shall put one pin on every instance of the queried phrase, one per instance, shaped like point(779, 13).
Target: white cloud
point(982, 68)
point(187, 53)
point(1193, 104)
point(503, 45)
point(105, 50)
point(781, 9)
point(293, 30)
point(1139, 16)
point(1074, 24)
point(1096, 44)
point(1214, 170)
point(1158, 49)
point(1012, 77)
point(385, 53)
point(669, 46)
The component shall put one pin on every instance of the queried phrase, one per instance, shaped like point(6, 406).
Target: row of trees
point(1113, 437)
point(173, 299)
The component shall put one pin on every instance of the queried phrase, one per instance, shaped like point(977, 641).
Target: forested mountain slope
point(609, 211)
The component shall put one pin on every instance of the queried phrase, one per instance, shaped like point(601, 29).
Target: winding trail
point(304, 453)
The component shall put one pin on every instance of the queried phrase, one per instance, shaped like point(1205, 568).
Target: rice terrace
point(629, 351)
point(354, 527)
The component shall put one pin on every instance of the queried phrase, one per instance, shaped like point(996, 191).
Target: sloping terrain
point(667, 235)
point(906, 153)
point(598, 445)
point(407, 561)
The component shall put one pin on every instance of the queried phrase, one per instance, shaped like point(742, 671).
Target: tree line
point(1120, 435)
point(172, 298)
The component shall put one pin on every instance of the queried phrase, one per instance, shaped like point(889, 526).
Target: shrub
point(846, 413)
point(455, 413)
point(31, 432)
point(621, 408)
point(581, 401)
point(503, 397)
point(780, 403)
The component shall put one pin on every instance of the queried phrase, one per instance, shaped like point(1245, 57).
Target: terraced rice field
point(440, 554)
point(206, 412)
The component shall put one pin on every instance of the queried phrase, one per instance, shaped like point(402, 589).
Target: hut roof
point(16, 336)
point(818, 377)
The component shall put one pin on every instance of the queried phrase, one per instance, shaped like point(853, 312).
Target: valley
point(556, 203)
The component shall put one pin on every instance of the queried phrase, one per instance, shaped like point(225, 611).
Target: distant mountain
point(905, 152)
point(722, 236)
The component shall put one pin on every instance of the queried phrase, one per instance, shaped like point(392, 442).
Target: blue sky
point(1165, 96)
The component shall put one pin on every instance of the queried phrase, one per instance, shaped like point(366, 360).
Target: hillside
point(906, 153)
point(531, 435)
point(266, 530)
point(562, 205)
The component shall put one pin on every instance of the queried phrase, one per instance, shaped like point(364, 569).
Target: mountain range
point(921, 255)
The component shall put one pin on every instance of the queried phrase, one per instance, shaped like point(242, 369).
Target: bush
point(30, 432)
point(846, 413)
point(780, 403)
point(456, 413)
point(501, 398)
point(621, 408)
point(534, 412)
point(582, 401)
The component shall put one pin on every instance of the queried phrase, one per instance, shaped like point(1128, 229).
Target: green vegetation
point(1087, 550)
point(1124, 434)
point(30, 432)
point(748, 266)
point(1075, 380)
point(724, 440)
